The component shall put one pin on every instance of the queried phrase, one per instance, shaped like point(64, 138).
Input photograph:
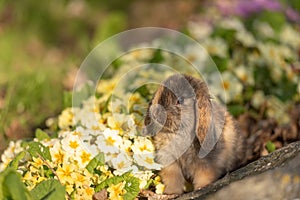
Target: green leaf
point(50, 189)
point(11, 186)
point(37, 149)
point(157, 57)
point(221, 63)
point(132, 188)
point(132, 185)
point(15, 162)
point(226, 33)
point(98, 160)
point(275, 19)
point(236, 110)
point(149, 183)
point(270, 146)
point(67, 99)
point(105, 106)
point(41, 135)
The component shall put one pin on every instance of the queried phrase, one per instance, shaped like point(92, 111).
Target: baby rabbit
point(196, 140)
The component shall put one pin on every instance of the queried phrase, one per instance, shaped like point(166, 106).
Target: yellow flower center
point(149, 160)
point(80, 178)
point(89, 191)
point(59, 157)
point(77, 133)
point(67, 171)
point(244, 77)
point(226, 85)
point(109, 141)
point(121, 165)
point(116, 191)
point(85, 157)
point(73, 144)
point(143, 148)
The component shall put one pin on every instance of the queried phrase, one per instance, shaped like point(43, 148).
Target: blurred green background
point(42, 43)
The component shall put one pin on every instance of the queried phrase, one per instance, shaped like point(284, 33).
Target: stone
point(275, 176)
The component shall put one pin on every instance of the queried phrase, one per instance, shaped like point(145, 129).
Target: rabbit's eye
point(180, 100)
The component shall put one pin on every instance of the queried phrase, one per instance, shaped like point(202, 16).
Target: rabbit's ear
point(209, 124)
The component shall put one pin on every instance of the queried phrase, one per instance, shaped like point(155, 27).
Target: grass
point(30, 84)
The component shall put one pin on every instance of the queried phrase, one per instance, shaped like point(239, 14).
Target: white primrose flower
point(245, 74)
point(109, 141)
point(71, 143)
point(122, 163)
point(200, 30)
point(146, 160)
point(88, 119)
point(126, 146)
point(216, 47)
point(58, 155)
point(141, 53)
point(91, 104)
point(290, 36)
point(258, 99)
point(246, 38)
point(142, 145)
point(264, 29)
point(144, 177)
point(196, 57)
point(227, 89)
point(9, 154)
point(276, 55)
point(232, 23)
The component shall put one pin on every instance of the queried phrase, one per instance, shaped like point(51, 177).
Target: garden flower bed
point(98, 147)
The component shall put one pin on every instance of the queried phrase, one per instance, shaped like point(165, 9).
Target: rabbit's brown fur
point(196, 140)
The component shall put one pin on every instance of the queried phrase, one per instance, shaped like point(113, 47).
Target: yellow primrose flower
point(65, 173)
point(65, 119)
point(32, 180)
point(117, 191)
point(37, 162)
point(69, 188)
point(84, 193)
point(107, 86)
point(80, 179)
point(58, 157)
point(83, 157)
point(159, 188)
point(104, 169)
point(135, 99)
point(89, 191)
